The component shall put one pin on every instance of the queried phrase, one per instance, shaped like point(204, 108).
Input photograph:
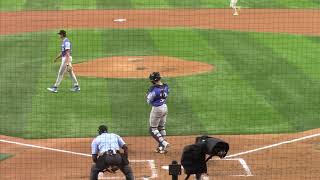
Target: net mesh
point(246, 72)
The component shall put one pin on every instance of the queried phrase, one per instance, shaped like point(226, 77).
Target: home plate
point(167, 167)
point(120, 20)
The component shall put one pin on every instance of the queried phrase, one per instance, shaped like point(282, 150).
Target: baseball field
point(252, 80)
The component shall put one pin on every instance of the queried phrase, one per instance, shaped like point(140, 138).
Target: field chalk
point(151, 163)
point(274, 145)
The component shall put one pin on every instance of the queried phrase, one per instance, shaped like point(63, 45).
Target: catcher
point(106, 154)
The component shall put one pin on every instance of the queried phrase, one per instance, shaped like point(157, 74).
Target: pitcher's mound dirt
point(140, 67)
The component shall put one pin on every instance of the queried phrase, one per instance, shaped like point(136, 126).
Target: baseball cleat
point(236, 14)
point(53, 89)
point(75, 89)
point(157, 150)
point(164, 149)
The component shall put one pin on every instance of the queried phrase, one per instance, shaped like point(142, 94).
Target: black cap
point(62, 32)
point(102, 129)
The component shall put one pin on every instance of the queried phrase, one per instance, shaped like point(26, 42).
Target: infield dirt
point(140, 67)
point(298, 160)
point(295, 21)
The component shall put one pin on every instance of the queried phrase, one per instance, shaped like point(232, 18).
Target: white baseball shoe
point(53, 89)
point(236, 14)
point(75, 89)
point(164, 148)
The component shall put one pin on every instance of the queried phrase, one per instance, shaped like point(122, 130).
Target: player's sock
point(156, 134)
point(73, 78)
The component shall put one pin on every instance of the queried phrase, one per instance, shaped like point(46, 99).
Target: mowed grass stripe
point(253, 89)
point(284, 86)
point(129, 110)
point(207, 100)
point(13, 5)
point(21, 61)
point(111, 4)
point(18, 5)
point(248, 63)
point(183, 44)
point(142, 4)
point(301, 56)
point(59, 5)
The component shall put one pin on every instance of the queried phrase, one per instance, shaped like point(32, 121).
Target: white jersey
point(66, 45)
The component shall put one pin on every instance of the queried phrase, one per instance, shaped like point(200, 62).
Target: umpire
point(106, 154)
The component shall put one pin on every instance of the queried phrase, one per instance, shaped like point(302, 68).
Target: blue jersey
point(158, 94)
point(66, 45)
point(106, 142)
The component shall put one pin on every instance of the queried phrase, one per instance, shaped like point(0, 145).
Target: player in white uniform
point(233, 5)
point(66, 65)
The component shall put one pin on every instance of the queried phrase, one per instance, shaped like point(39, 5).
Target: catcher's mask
point(155, 76)
point(102, 129)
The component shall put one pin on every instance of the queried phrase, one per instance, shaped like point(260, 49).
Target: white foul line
point(243, 164)
point(46, 148)
point(151, 163)
point(274, 145)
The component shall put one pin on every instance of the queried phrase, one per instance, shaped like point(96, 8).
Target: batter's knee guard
point(156, 134)
point(162, 131)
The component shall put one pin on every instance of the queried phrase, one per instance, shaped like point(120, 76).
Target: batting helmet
point(155, 76)
point(102, 129)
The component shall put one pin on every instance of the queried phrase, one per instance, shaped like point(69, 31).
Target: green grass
point(21, 61)
point(17, 5)
point(263, 83)
point(4, 156)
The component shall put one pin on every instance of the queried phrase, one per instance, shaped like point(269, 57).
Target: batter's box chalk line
point(152, 164)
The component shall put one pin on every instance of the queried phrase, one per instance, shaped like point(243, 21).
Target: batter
point(157, 97)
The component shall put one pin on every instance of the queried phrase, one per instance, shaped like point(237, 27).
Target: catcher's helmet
point(102, 129)
point(155, 76)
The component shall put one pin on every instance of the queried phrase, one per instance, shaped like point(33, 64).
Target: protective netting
point(245, 72)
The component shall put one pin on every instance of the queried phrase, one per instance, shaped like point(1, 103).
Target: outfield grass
point(263, 83)
point(4, 156)
point(17, 5)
